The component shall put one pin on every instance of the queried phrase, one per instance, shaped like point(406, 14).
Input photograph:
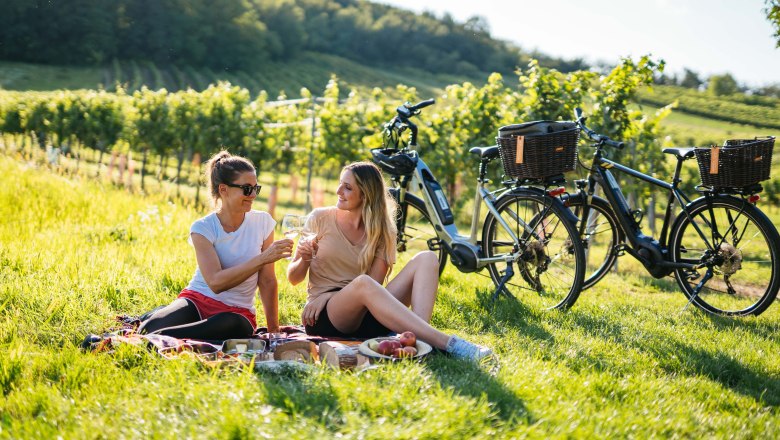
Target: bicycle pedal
point(620, 249)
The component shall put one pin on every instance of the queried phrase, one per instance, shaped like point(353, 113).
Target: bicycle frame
point(652, 253)
point(465, 251)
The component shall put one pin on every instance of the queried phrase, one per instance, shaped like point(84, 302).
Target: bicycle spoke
point(548, 259)
point(742, 262)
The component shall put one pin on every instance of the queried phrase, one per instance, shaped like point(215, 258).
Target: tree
point(690, 80)
point(773, 15)
point(769, 90)
point(720, 85)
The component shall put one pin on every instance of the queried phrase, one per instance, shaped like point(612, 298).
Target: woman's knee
point(232, 324)
point(366, 288)
point(428, 259)
point(364, 282)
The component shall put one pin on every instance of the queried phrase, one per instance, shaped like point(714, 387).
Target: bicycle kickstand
point(509, 273)
point(704, 279)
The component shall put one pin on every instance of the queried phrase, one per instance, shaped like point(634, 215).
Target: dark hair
point(223, 167)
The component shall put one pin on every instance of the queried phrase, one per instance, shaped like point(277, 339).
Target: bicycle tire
point(602, 234)
point(415, 228)
point(749, 254)
point(544, 264)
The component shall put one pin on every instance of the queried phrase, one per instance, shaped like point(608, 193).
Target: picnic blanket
point(291, 343)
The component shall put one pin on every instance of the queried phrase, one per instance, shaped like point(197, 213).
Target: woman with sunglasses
point(348, 260)
point(235, 249)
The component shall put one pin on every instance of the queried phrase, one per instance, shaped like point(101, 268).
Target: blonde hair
point(224, 167)
point(379, 213)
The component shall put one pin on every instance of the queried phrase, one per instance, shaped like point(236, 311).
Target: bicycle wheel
point(415, 229)
point(741, 246)
point(602, 234)
point(551, 266)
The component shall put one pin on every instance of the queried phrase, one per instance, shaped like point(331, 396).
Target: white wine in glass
point(307, 234)
point(291, 227)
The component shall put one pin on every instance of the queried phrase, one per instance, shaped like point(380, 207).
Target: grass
point(24, 76)
point(627, 361)
point(688, 130)
point(310, 70)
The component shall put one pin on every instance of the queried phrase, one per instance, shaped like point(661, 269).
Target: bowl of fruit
point(393, 348)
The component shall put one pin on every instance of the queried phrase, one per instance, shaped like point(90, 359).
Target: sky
point(707, 36)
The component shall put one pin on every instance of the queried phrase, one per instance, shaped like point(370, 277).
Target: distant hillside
point(247, 35)
point(310, 70)
point(759, 111)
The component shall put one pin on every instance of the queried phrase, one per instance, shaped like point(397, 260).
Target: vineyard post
point(307, 206)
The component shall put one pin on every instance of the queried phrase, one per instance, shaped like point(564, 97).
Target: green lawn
point(24, 76)
point(689, 130)
point(310, 70)
point(629, 360)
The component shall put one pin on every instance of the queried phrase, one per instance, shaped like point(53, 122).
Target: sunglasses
point(247, 188)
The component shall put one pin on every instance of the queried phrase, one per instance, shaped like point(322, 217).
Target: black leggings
point(182, 320)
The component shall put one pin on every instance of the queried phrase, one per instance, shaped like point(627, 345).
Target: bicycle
point(524, 227)
point(722, 249)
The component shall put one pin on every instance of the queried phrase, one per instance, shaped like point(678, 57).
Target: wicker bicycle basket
point(539, 149)
point(738, 164)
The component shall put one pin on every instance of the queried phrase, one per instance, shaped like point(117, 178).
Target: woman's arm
point(269, 291)
point(299, 266)
point(219, 279)
point(378, 270)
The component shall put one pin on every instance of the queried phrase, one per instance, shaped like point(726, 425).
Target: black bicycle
point(722, 249)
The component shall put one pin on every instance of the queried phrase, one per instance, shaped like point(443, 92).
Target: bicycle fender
point(544, 198)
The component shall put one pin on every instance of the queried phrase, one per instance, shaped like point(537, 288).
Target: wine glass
point(307, 234)
point(291, 227)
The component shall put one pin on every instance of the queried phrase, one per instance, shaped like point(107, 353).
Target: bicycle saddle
point(490, 152)
point(680, 152)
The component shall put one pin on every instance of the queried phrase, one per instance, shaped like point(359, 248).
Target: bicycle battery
point(439, 201)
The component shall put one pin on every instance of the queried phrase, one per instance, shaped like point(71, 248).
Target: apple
point(411, 351)
point(386, 347)
point(408, 339)
point(373, 345)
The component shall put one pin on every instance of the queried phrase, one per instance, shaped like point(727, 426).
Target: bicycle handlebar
point(406, 111)
point(599, 138)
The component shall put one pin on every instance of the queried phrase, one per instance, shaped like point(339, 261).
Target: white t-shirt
point(233, 248)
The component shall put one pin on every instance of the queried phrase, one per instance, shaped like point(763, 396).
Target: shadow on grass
point(510, 312)
point(298, 395)
point(673, 355)
point(726, 370)
point(471, 380)
point(679, 357)
point(765, 330)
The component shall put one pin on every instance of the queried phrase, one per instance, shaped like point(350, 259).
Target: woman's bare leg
point(417, 284)
point(347, 308)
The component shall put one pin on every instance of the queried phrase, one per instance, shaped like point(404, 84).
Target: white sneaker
point(462, 349)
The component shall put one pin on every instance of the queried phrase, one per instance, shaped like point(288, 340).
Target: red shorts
point(208, 307)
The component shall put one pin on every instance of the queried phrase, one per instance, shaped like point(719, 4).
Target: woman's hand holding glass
point(307, 246)
point(291, 227)
point(279, 249)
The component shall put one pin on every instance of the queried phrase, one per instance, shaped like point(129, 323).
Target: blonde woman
point(348, 260)
point(235, 249)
